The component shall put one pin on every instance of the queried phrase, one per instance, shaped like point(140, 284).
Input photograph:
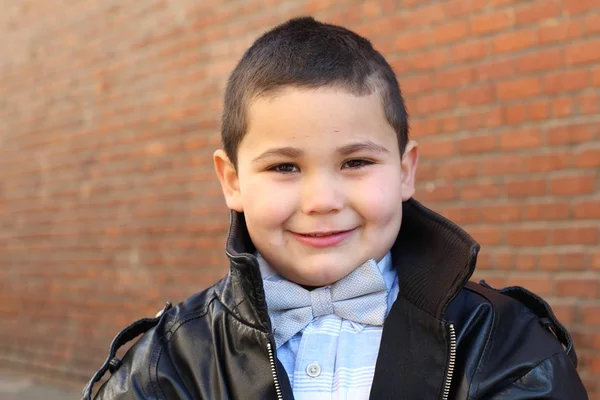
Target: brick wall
point(109, 113)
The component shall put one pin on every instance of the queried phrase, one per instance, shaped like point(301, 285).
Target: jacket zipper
point(274, 372)
point(451, 362)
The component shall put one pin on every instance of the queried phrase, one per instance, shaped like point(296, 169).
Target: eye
point(286, 168)
point(356, 164)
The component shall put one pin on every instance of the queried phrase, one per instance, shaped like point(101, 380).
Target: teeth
point(319, 234)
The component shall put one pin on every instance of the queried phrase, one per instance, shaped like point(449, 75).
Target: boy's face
point(320, 182)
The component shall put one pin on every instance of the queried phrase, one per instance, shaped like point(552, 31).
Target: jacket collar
point(433, 256)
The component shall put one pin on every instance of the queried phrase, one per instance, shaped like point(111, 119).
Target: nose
point(322, 194)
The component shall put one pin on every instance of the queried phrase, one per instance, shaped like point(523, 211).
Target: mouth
point(321, 234)
point(323, 238)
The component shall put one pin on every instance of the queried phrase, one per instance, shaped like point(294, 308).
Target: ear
point(410, 160)
point(229, 180)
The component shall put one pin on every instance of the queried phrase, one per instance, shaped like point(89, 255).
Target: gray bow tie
point(361, 296)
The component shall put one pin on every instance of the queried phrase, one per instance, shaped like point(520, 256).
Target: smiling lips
point(322, 239)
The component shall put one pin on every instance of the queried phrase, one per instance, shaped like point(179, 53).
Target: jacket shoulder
point(513, 339)
point(131, 376)
point(516, 302)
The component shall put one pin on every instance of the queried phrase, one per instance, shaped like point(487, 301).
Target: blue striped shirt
point(334, 358)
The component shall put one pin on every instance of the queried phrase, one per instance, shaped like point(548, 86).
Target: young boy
point(341, 286)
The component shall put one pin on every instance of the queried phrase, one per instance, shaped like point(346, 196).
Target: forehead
point(316, 117)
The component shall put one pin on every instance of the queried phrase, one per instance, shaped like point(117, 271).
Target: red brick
point(547, 211)
point(418, 84)
point(490, 118)
point(425, 16)
point(589, 103)
point(504, 260)
point(592, 24)
point(461, 214)
point(476, 95)
point(488, 23)
point(480, 190)
point(577, 287)
point(495, 70)
point(564, 313)
point(518, 88)
point(423, 127)
point(587, 209)
point(520, 237)
point(525, 187)
point(525, 262)
point(501, 213)
point(484, 260)
point(513, 41)
point(549, 261)
point(427, 171)
point(474, 49)
point(541, 60)
point(370, 9)
point(503, 165)
point(501, 3)
point(459, 169)
point(476, 144)
point(588, 158)
point(389, 6)
point(352, 16)
point(437, 148)
point(458, 8)
point(591, 314)
point(429, 60)
point(520, 139)
point(596, 260)
point(450, 32)
point(449, 123)
point(583, 53)
point(539, 284)
point(454, 77)
point(562, 107)
point(573, 7)
point(413, 41)
point(538, 111)
point(515, 114)
point(554, 161)
point(486, 235)
point(596, 77)
point(572, 185)
point(437, 192)
point(570, 134)
point(537, 11)
point(430, 103)
point(559, 31)
point(579, 236)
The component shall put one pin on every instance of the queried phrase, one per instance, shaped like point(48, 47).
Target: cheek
point(379, 200)
point(265, 205)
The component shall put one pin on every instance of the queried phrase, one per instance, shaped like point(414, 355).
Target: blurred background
point(109, 114)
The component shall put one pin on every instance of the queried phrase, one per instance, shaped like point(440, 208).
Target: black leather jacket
point(444, 338)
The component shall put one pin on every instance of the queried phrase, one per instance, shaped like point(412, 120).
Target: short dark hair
point(305, 53)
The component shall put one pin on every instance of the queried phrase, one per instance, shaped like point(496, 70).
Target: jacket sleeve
point(529, 354)
point(553, 379)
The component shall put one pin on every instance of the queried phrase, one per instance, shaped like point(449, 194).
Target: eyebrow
point(292, 152)
point(366, 145)
point(287, 152)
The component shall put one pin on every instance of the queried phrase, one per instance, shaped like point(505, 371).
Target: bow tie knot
point(361, 296)
point(320, 299)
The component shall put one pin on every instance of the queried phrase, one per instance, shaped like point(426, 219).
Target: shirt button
point(313, 370)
